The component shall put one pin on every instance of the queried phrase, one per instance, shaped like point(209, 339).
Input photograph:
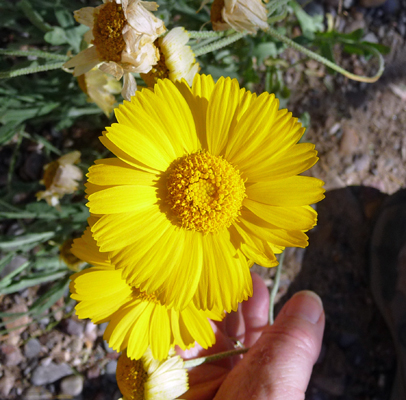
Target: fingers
point(279, 364)
point(255, 311)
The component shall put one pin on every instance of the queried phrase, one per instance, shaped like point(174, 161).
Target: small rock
point(32, 348)
point(111, 367)
point(349, 141)
point(13, 356)
point(102, 328)
point(49, 373)
point(362, 163)
point(15, 263)
point(6, 383)
point(93, 372)
point(91, 331)
point(370, 37)
point(348, 3)
point(74, 328)
point(22, 322)
point(107, 347)
point(72, 385)
point(35, 393)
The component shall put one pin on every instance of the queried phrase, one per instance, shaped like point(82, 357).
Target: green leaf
point(33, 280)
point(7, 243)
point(56, 37)
point(64, 17)
point(265, 50)
point(5, 261)
point(309, 24)
point(8, 130)
point(50, 297)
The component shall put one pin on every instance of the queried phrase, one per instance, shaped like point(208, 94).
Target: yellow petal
point(160, 332)
point(289, 192)
point(289, 218)
point(119, 199)
point(221, 113)
point(112, 172)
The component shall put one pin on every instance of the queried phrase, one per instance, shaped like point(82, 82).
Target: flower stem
point(330, 64)
point(215, 357)
point(219, 44)
point(30, 70)
point(34, 53)
point(275, 288)
point(205, 34)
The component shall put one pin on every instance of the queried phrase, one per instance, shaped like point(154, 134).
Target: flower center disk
point(107, 31)
point(205, 192)
point(131, 377)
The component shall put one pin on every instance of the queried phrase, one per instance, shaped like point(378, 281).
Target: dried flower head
point(122, 33)
point(240, 15)
point(60, 177)
point(150, 379)
point(177, 60)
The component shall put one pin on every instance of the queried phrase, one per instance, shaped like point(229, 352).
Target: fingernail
point(306, 305)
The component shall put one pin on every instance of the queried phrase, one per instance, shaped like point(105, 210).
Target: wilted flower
point(60, 177)
point(150, 379)
point(123, 35)
point(136, 320)
point(177, 60)
point(240, 15)
point(100, 88)
point(206, 182)
point(68, 257)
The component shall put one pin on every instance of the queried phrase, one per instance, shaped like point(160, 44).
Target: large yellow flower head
point(136, 320)
point(149, 379)
point(205, 183)
point(177, 60)
point(122, 33)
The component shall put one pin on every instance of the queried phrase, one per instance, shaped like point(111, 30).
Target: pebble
point(35, 393)
point(107, 347)
point(14, 356)
point(15, 263)
point(111, 367)
point(91, 331)
point(32, 348)
point(6, 383)
point(74, 328)
point(49, 373)
point(72, 385)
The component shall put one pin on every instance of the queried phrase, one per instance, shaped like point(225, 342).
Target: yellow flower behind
point(100, 88)
point(205, 183)
point(60, 177)
point(177, 60)
point(240, 15)
point(123, 35)
point(150, 379)
point(136, 320)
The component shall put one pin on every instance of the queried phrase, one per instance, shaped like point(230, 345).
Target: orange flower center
point(109, 22)
point(131, 377)
point(205, 192)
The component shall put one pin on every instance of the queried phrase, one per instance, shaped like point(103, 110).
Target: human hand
point(281, 357)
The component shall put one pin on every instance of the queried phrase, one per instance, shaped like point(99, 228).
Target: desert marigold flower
point(100, 89)
point(177, 60)
point(150, 379)
point(123, 35)
point(60, 177)
point(136, 319)
point(240, 15)
point(204, 184)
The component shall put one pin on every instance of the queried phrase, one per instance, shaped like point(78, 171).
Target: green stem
point(205, 34)
point(30, 70)
point(33, 16)
point(34, 53)
point(275, 288)
point(215, 357)
point(278, 17)
point(330, 64)
point(219, 44)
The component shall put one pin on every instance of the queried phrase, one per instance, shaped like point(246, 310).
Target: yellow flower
point(204, 184)
point(60, 178)
point(100, 88)
point(150, 379)
point(177, 61)
point(240, 15)
point(136, 320)
point(123, 35)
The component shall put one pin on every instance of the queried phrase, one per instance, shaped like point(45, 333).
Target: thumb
point(279, 365)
